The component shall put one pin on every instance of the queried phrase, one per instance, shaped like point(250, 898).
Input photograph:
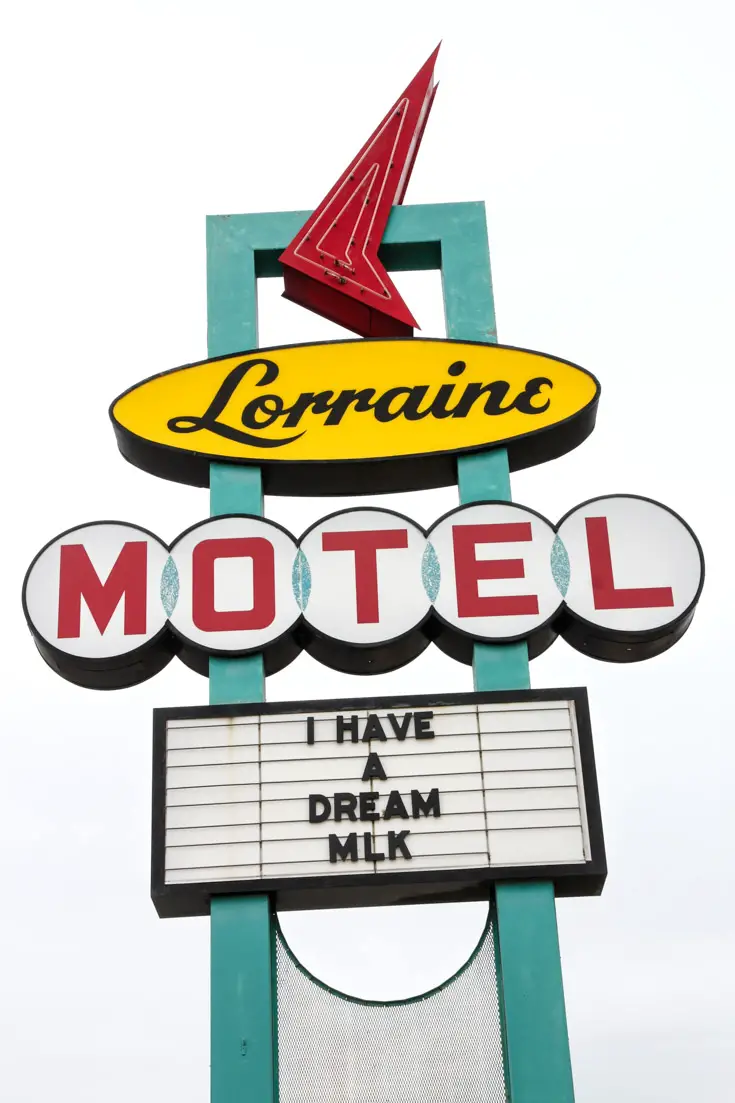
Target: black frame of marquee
point(374, 889)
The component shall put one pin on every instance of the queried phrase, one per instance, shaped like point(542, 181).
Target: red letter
point(603, 583)
point(468, 570)
point(78, 579)
point(203, 612)
point(365, 545)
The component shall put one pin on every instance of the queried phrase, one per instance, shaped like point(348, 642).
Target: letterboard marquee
point(374, 801)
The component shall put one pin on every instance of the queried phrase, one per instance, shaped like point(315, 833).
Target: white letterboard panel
point(340, 803)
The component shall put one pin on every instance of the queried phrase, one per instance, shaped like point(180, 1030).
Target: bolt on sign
point(364, 590)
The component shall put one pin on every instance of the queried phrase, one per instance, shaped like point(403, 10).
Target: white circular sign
point(497, 575)
point(364, 590)
point(234, 579)
point(364, 568)
point(94, 592)
point(636, 566)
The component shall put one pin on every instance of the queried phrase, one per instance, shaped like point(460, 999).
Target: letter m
point(346, 850)
point(425, 806)
point(127, 580)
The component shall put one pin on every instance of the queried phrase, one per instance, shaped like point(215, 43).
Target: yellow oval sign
point(356, 417)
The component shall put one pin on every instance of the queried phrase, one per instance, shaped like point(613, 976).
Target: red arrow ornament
point(332, 265)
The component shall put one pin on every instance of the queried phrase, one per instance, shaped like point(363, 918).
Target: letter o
point(235, 591)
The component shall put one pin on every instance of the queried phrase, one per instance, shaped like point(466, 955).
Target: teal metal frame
point(451, 237)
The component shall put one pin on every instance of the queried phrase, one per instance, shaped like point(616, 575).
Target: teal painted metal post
point(453, 237)
point(243, 1014)
point(469, 309)
point(243, 998)
point(537, 1061)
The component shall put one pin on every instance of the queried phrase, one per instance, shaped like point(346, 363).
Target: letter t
point(365, 546)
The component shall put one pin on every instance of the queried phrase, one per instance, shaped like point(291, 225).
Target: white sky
point(600, 137)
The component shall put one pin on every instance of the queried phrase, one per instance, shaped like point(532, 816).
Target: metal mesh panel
point(442, 1047)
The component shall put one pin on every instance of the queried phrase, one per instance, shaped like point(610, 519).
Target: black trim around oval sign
point(387, 474)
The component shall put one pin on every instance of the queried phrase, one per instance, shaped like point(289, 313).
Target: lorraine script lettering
point(262, 415)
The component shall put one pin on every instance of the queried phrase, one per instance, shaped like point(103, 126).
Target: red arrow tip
point(332, 265)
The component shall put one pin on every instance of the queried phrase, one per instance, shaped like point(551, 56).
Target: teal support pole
point(452, 237)
point(242, 939)
point(235, 490)
point(538, 1062)
point(243, 1009)
point(469, 310)
point(530, 991)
